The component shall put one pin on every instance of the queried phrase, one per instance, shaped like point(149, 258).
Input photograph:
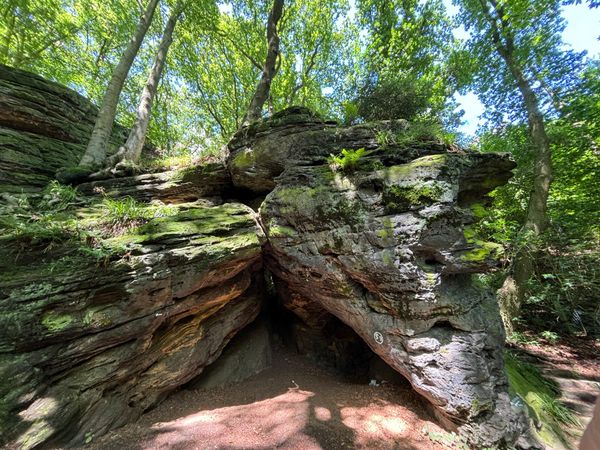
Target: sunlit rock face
point(88, 344)
point(43, 126)
point(389, 246)
point(90, 337)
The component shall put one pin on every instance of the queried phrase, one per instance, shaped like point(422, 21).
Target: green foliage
point(518, 337)
point(564, 291)
point(348, 160)
point(421, 132)
point(532, 28)
point(550, 336)
point(541, 397)
point(424, 131)
point(57, 196)
point(407, 70)
point(39, 221)
point(350, 113)
point(391, 99)
point(125, 212)
point(35, 229)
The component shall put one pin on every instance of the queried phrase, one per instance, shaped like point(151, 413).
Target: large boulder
point(95, 330)
point(298, 137)
point(389, 246)
point(208, 181)
point(43, 126)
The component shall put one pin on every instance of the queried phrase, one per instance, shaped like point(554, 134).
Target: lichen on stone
point(399, 199)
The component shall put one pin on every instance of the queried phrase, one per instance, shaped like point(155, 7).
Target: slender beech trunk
point(95, 153)
point(132, 149)
point(513, 290)
point(261, 94)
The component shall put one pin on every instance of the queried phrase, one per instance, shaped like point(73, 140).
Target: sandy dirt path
point(292, 405)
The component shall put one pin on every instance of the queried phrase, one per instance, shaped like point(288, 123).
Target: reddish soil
point(578, 356)
point(292, 405)
point(574, 365)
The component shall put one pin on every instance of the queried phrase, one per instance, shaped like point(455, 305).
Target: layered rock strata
point(87, 345)
point(43, 126)
point(389, 246)
point(99, 320)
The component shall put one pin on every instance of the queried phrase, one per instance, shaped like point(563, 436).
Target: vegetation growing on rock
point(124, 271)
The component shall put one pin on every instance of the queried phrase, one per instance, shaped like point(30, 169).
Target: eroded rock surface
point(249, 353)
point(209, 181)
point(93, 335)
point(43, 126)
point(88, 345)
point(390, 247)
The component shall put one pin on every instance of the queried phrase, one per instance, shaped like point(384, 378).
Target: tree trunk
point(261, 94)
point(512, 293)
point(132, 149)
point(95, 153)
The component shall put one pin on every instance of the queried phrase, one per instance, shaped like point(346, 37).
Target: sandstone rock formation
point(43, 126)
point(389, 247)
point(100, 320)
point(88, 345)
point(249, 353)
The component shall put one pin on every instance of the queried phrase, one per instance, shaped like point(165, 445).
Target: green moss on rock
point(56, 322)
point(398, 199)
point(401, 171)
point(281, 231)
point(541, 399)
point(482, 250)
point(244, 160)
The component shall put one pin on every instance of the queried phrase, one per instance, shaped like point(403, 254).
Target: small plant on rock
point(347, 161)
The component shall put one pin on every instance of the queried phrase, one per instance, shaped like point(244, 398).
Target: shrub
point(388, 99)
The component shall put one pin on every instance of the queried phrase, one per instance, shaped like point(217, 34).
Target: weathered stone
point(87, 346)
point(43, 126)
point(176, 186)
point(389, 248)
point(248, 354)
point(259, 153)
point(390, 251)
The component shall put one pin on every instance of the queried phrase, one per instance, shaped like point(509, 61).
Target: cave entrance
point(285, 382)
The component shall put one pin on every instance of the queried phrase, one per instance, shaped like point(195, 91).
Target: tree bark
point(513, 290)
point(132, 149)
point(512, 293)
point(261, 94)
point(95, 153)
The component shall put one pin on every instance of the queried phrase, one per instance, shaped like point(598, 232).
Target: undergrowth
point(563, 295)
point(347, 161)
point(540, 396)
point(415, 133)
point(56, 219)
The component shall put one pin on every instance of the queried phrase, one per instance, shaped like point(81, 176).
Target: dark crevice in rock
point(372, 262)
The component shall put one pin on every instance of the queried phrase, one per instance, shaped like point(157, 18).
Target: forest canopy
point(201, 69)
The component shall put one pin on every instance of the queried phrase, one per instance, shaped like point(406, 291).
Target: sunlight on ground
point(374, 423)
point(264, 424)
point(286, 421)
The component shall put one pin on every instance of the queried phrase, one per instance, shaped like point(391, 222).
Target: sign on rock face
point(389, 247)
point(378, 337)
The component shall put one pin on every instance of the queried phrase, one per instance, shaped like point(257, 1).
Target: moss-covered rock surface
point(44, 126)
point(108, 303)
point(388, 248)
